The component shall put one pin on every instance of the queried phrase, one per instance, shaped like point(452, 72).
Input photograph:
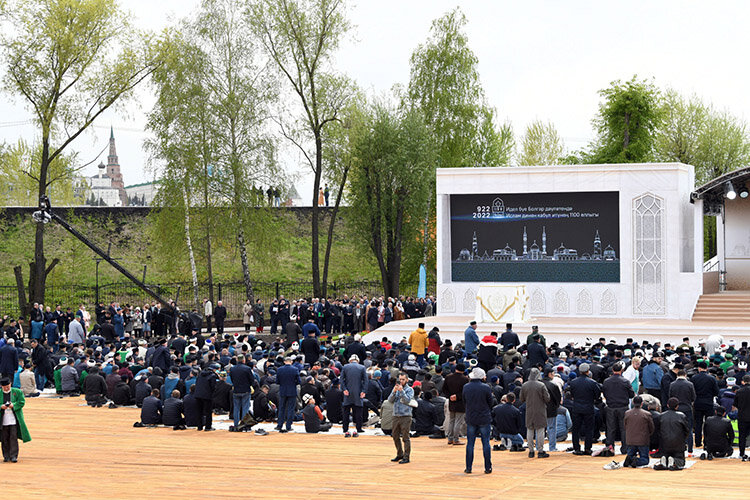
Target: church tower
point(525, 241)
point(113, 168)
point(544, 240)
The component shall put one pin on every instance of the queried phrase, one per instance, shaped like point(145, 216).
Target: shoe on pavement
point(347, 434)
point(613, 465)
point(488, 471)
point(703, 456)
point(531, 454)
point(710, 456)
point(542, 454)
point(354, 434)
point(628, 460)
point(397, 459)
point(467, 471)
point(404, 461)
point(457, 443)
point(261, 432)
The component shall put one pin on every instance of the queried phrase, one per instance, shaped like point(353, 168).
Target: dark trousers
point(400, 431)
point(9, 438)
point(689, 415)
point(274, 324)
point(357, 410)
point(743, 431)
point(220, 327)
point(616, 420)
point(204, 409)
point(699, 417)
point(655, 393)
point(208, 324)
point(286, 411)
point(483, 431)
point(583, 422)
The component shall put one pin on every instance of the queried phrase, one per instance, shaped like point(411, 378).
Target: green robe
point(18, 401)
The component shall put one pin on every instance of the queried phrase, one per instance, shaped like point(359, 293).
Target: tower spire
point(544, 240)
point(525, 240)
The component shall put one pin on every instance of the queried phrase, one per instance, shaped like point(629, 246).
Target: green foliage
point(628, 117)
point(692, 132)
point(541, 145)
point(389, 187)
point(19, 176)
point(444, 85)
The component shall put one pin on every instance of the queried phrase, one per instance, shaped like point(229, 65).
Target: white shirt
point(208, 308)
point(9, 417)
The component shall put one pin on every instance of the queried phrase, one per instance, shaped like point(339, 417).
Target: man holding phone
point(11, 419)
point(401, 396)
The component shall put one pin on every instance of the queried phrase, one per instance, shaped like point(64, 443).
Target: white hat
point(412, 357)
point(742, 365)
point(477, 374)
point(731, 381)
point(473, 362)
point(563, 355)
point(295, 346)
point(355, 358)
point(357, 337)
point(141, 342)
point(258, 348)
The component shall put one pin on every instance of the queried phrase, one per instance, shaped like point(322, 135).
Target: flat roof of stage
point(77, 449)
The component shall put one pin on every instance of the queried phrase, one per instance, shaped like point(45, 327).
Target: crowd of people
point(655, 400)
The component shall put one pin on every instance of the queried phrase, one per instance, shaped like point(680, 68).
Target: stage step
point(723, 307)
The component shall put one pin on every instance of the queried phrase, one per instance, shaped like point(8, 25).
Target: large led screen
point(566, 237)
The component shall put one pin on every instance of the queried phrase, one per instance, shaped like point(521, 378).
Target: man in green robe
point(11, 420)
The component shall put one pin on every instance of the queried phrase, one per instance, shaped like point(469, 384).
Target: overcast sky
point(537, 60)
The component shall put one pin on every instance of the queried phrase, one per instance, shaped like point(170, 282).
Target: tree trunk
point(191, 254)
point(23, 306)
point(207, 222)
point(425, 250)
point(317, 290)
point(333, 214)
point(245, 268)
point(36, 292)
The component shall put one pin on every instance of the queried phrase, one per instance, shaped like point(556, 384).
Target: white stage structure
point(653, 291)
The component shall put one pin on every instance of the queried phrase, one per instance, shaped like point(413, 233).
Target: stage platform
point(563, 330)
point(81, 451)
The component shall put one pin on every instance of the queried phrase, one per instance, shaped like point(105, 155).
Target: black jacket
point(222, 399)
point(173, 410)
point(261, 410)
point(742, 403)
point(554, 397)
point(292, 331)
point(706, 389)
point(585, 392)
point(673, 431)
point(334, 405)
point(242, 378)
point(618, 391)
point(357, 348)
point(205, 385)
point(536, 355)
point(191, 410)
point(507, 419)
point(477, 397)
point(121, 394)
point(683, 390)
point(310, 347)
point(425, 417)
point(94, 386)
point(718, 434)
point(142, 390)
point(151, 411)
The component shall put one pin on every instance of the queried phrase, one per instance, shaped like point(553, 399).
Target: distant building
point(142, 194)
point(107, 187)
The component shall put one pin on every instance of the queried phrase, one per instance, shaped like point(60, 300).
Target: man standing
point(684, 391)
point(536, 396)
point(12, 421)
point(220, 314)
point(618, 392)
point(453, 387)
point(639, 426)
point(419, 343)
point(471, 339)
point(310, 346)
point(288, 379)
point(76, 333)
point(354, 384)
point(584, 392)
point(742, 403)
point(204, 395)
point(555, 400)
point(536, 353)
point(401, 397)
point(208, 312)
point(652, 375)
point(509, 340)
point(478, 399)
point(8, 359)
point(242, 380)
point(706, 389)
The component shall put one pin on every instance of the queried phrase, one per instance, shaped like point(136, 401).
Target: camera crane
point(45, 215)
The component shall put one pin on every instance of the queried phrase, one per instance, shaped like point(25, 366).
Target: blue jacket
point(400, 400)
point(652, 375)
point(242, 378)
point(51, 332)
point(584, 392)
point(8, 359)
point(354, 380)
point(288, 379)
point(308, 327)
point(477, 397)
point(471, 340)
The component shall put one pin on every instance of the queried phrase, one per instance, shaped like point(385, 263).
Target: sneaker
point(670, 463)
point(354, 434)
point(542, 454)
point(261, 432)
point(497, 447)
point(347, 434)
point(613, 465)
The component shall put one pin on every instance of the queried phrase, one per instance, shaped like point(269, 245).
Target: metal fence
point(232, 294)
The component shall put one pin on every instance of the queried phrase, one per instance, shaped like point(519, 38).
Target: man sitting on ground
point(508, 424)
point(152, 409)
point(719, 436)
point(313, 417)
point(172, 412)
point(638, 428)
point(673, 432)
